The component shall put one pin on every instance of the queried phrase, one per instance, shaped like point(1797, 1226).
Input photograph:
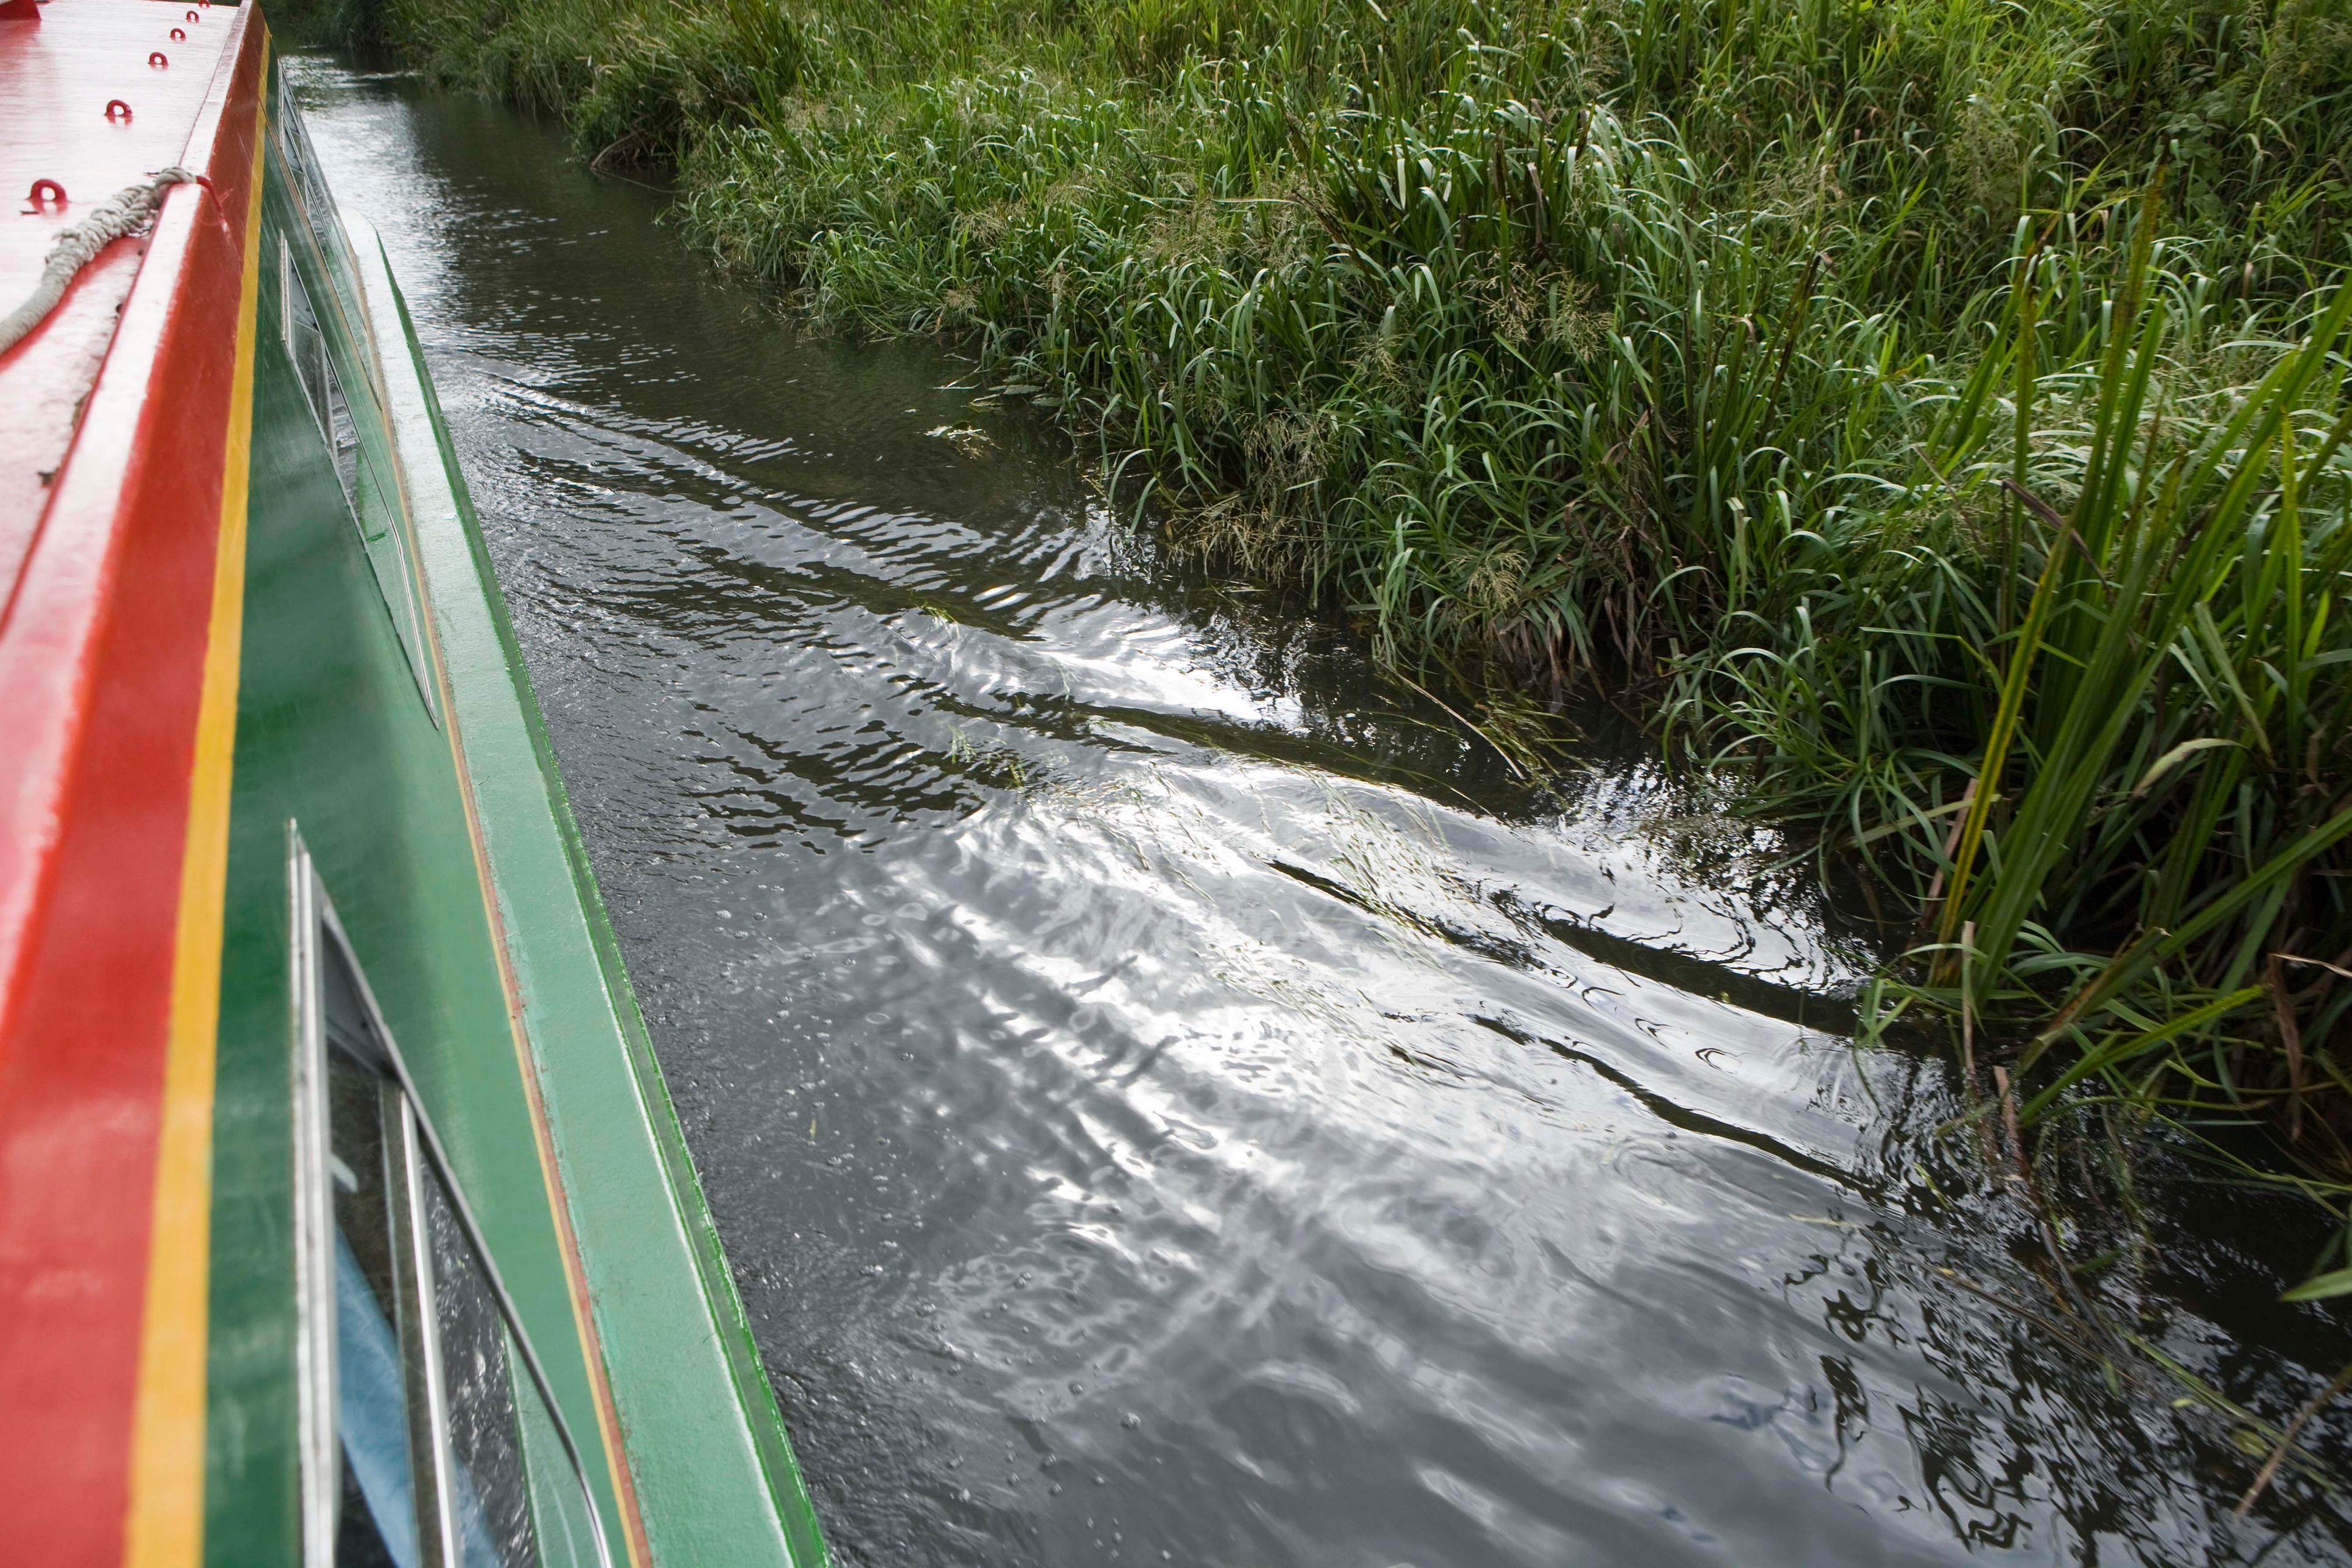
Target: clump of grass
point(1933, 414)
point(2121, 638)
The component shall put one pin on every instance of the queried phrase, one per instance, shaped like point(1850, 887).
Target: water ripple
point(1170, 1095)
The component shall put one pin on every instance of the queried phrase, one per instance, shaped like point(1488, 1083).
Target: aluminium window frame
point(314, 923)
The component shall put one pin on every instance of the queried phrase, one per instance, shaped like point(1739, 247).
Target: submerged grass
point(1934, 411)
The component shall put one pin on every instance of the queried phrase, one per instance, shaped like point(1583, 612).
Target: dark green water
point(1169, 1094)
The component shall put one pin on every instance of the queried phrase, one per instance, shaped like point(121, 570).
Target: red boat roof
point(62, 64)
point(122, 481)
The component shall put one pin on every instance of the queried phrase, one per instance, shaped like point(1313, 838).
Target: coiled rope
point(126, 211)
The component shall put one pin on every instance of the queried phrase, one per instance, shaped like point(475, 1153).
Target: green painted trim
point(706, 1446)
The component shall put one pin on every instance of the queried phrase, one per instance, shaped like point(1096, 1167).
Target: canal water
point(1171, 1094)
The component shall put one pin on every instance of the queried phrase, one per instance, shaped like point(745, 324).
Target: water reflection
point(1168, 1094)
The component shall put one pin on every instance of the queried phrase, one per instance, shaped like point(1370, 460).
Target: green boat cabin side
point(347, 1215)
point(335, 738)
point(354, 766)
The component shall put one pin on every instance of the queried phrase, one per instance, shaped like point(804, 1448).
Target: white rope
point(127, 211)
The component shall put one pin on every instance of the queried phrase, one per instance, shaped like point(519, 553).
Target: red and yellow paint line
point(118, 692)
point(167, 1451)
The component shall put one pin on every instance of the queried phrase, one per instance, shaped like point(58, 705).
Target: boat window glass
point(569, 1534)
point(307, 341)
point(376, 1483)
point(491, 1500)
point(375, 508)
point(431, 1438)
point(311, 191)
point(335, 356)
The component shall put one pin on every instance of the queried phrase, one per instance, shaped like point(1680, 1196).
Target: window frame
point(416, 1146)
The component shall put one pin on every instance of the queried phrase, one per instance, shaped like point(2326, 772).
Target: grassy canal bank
point(1934, 412)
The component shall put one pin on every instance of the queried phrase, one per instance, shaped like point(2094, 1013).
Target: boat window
point(376, 1480)
point(431, 1438)
point(311, 191)
point(307, 341)
point(334, 355)
point(492, 1507)
point(374, 509)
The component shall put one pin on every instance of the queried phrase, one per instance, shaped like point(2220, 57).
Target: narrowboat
point(344, 1217)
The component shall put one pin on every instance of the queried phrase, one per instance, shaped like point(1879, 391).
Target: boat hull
point(254, 665)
